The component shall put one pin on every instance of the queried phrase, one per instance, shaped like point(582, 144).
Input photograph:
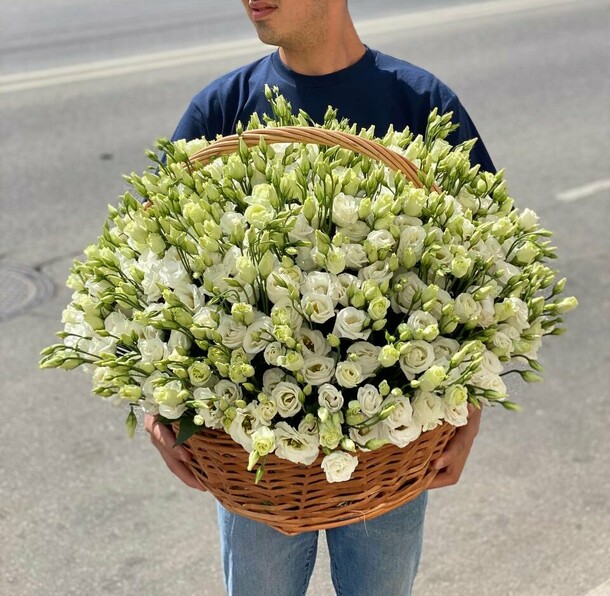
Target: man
point(321, 61)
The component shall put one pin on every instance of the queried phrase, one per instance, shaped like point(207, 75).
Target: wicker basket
point(294, 498)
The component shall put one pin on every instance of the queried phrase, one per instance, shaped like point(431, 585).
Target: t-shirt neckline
point(341, 76)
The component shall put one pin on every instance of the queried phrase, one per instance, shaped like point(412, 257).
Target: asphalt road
point(83, 510)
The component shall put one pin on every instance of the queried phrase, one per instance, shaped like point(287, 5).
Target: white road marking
point(602, 590)
point(252, 48)
point(582, 192)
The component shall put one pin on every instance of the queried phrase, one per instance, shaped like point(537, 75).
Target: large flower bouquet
point(307, 298)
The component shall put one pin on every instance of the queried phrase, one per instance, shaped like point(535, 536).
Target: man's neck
point(338, 52)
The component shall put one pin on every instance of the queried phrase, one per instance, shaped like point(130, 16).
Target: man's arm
point(163, 439)
point(453, 460)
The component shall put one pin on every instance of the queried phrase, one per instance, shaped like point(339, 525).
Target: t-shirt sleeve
point(466, 131)
point(191, 126)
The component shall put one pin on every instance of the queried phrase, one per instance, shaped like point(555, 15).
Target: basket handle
point(317, 136)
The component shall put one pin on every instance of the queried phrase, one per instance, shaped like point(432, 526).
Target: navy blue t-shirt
point(377, 90)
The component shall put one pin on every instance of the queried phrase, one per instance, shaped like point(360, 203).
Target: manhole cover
point(21, 288)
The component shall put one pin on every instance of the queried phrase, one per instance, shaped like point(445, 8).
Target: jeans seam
point(307, 576)
point(338, 587)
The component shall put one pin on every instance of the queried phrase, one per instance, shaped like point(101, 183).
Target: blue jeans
point(373, 558)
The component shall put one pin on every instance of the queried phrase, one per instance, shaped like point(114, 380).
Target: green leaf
point(187, 429)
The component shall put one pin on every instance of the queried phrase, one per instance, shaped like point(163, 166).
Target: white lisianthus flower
point(170, 399)
point(259, 215)
point(366, 355)
point(288, 398)
point(417, 356)
point(501, 344)
point(309, 425)
point(330, 397)
point(379, 272)
point(491, 363)
point(301, 231)
point(263, 440)
point(527, 253)
point(335, 261)
point(355, 256)
point(362, 436)
point(273, 352)
point(228, 391)
point(513, 334)
point(293, 361)
point(412, 237)
point(297, 447)
point(148, 386)
point(246, 270)
point(381, 240)
point(402, 412)
point(388, 355)
point(101, 345)
point(420, 319)
point(214, 279)
point(330, 429)
point(313, 342)
point(432, 378)
point(444, 348)
point(232, 332)
point(318, 308)
point(266, 410)
point(357, 232)
point(467, 308)
point(230, 221)
point(455, 405)
point(508, 270)
point(177, 339)
point(402, 435)
point(271, 378)
point(206, 317)
point(378, 308)
point(347, 281)
point(527, 220)
point(348, 374)
point(520, 318)
point(152, 350)
point(488, 380)
point(320, 282)
point(339, 466)
point(304, 258)
point(489, 248)
point(258, 335)
point(212, 416)
point(405, 288)
point(427, 410)
point(349, 324)
point(115, 323)
point(284, 313)
point(243, 425)
point(487, 316)
point(370, 400)
point(274, 285)
point(171, 270)
point(317, 370)
point(199, 373)
point(345, 210)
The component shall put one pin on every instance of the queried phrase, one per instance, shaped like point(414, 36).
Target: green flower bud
point(530, 377)
point(131, 424)
point(566, 305)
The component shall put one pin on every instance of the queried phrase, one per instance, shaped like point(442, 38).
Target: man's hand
point(163, 439)
point(453, 459)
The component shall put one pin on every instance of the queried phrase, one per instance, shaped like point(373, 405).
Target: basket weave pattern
point(295, 498)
